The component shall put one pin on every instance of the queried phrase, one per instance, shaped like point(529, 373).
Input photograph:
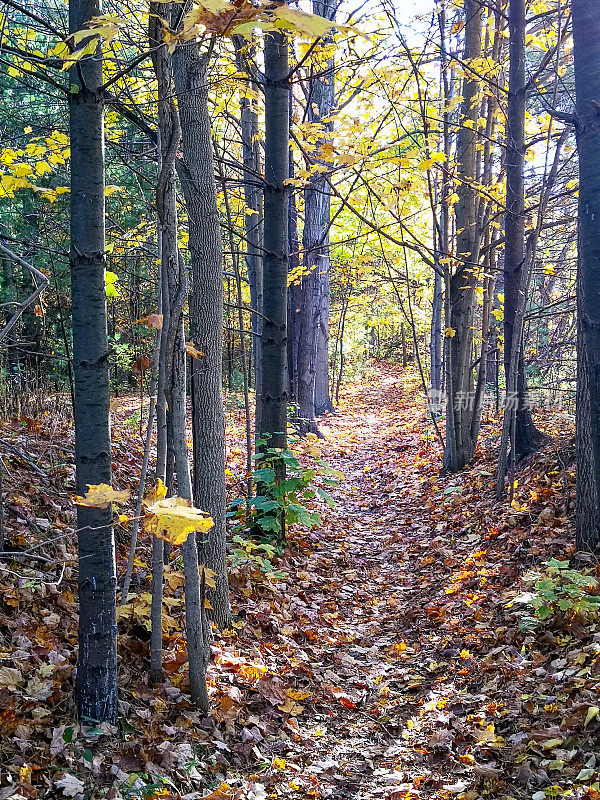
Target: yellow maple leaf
point(101, 495)
point(174, 518)
point(21, 169)
point(158, 493)
point(450, 332)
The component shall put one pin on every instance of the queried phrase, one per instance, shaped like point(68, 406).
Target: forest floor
point(385, 661)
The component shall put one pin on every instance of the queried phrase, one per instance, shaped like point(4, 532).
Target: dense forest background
point(251, 252)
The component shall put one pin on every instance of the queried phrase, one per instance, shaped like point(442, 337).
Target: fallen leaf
point(592, 713)
point(70, 785)
point(9, 678)
point(192, 350)
point(102, 495)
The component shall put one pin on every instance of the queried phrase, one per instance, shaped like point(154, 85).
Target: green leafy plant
point(259, 554)
point(560, 593)
point(145, 786)
point(283, 500)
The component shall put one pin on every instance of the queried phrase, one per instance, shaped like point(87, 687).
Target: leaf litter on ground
point(387, 660)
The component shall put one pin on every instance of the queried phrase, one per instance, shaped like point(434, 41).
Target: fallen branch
point(16, 452)
point(39, 288)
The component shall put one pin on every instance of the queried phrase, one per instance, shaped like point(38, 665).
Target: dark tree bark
point(245, 62)
point(166, 206)
point(9, 297)
point(321, 106)
point(586, 38)
point(435, 341)
point(461, 415)
point(96, 687)
point(314, 298)
point(273, 396)
point(323, 401)
point(295, 287)
point(196, 172)
point(527, 437)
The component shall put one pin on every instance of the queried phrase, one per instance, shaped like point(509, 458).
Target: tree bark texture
point(273, 396)
point(461, 427)
point(435, 341)
point(96, 686)
point(295, 286)
point(527, 439)
point(586, 36)
point(196, 172)
point(169, 130)
point(315, 240)
point(245, 56)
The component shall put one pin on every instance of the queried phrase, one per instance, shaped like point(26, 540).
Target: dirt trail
point(416, 681)
point(364, 596)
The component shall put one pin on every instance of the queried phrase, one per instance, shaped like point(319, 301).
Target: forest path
point(387, 666)
point(410, 675)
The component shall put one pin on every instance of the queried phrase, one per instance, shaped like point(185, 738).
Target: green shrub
point(560, 593)
point(282, 500)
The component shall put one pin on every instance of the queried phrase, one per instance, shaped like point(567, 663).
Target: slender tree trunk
point(196, 172)
point(313, 339)
point(528, 438)
point(9, 298)
point(460, 292)
point(325, 102)
point(273, 397)
point(169, 132)
point(245, 56)
point(295, 287)
point(96, 687)
point(586, 36)
point(309, 316)
point(435, 343)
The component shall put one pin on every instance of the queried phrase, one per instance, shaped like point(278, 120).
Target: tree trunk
point(586, 35)
point(323, 402)
point(169, 131)
point(527, 439)
point(309, 316)
point(295, 287)
point(245, 62)
point(435, 342)
point(196, 172)
point(461, 437)
point(273, 396)
point(324, 99)
point(96, 687)
point(313, 340)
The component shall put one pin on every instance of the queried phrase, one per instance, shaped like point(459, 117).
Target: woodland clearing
point(385, 661)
